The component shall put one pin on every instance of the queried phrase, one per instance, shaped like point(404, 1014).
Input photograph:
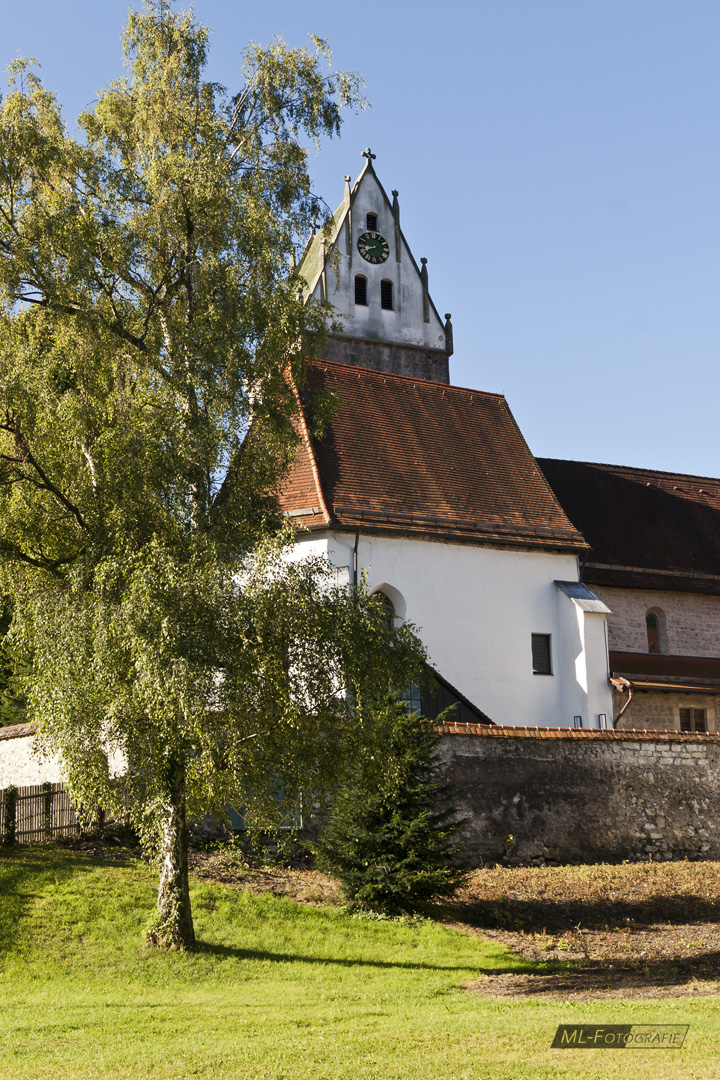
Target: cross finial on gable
point(369, 154)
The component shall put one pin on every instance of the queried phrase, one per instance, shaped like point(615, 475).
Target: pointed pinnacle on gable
point(448, 334)
point(425, 291)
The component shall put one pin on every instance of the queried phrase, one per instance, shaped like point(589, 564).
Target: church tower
point(362, 265)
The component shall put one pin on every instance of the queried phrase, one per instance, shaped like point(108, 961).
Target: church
point(554, 594)
point(570, 610)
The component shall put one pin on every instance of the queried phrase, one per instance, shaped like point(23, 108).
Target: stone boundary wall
point(545, 795)
point(557, 795)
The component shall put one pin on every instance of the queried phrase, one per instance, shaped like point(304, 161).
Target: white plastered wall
point(476, 608)
point(22, 767)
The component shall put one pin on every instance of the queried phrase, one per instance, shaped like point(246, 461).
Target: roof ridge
point(632, 468)
point(384, 375)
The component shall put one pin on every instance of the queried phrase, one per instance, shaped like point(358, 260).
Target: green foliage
point(152, 340)
point(12, 672)
point(390, 839)
point(9, 815)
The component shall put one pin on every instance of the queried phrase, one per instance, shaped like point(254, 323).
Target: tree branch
point(27, 457)
point(12, 551)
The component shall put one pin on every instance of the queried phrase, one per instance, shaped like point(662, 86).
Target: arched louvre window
point(387, 300)
point(361, 295)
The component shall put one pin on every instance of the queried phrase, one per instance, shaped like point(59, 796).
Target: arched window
point(652, 624)
point(388, 608)
point(361, 290)
point(392, 599)
point(387, 301)
point(656, 628)
point(371, 222)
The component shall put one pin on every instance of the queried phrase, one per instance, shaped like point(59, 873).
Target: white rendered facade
point(476, 609)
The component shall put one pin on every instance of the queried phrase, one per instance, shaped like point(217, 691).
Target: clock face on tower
point(373, 247)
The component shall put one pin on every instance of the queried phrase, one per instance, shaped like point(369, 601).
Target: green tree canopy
point(152, 341)
point(12, 671)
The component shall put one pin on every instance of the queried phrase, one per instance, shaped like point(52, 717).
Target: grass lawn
point(278, 990)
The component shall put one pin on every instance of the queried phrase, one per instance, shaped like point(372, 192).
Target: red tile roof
point(587, 735)
point(646, 529)
point(418, 457)
point(17, 731)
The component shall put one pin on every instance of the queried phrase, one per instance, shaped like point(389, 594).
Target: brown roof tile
point(415, 456)
point(588, 735)
point(646, 528)
point(17, 731)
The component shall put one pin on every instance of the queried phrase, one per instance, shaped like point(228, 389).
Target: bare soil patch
point(302, 885)
point(634, 930)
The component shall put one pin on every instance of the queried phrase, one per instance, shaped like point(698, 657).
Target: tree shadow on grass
point(508, 913)
point(660, 977)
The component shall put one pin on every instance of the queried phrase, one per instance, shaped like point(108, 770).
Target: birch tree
point(149, 310)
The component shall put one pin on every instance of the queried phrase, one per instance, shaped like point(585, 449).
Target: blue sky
point(558, 164)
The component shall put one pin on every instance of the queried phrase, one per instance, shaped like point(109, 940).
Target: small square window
point(693, 720)
point(541, 655)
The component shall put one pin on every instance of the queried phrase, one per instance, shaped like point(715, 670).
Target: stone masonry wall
point(692, 620)
point(415, 362)
point(660, 710)
point(19, 766)
point(539, 795)
point(546, 795)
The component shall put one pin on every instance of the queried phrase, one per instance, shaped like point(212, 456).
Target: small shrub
point(10, 810)
point(391, 836)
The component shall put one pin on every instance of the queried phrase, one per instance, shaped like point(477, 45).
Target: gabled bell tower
point(361, 263)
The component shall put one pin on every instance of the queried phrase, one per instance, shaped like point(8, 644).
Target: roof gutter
point(355, 559)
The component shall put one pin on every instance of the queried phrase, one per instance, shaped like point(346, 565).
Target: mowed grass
point(277, 990)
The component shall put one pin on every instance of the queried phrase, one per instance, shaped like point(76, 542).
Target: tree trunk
point(172, 926)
